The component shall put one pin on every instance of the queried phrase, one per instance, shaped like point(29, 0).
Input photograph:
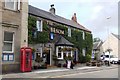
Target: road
point(110, 73)
point(82, 72)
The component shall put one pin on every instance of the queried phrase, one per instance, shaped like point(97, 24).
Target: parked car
point(102, 57)
point(112, 58)
point(119, 62)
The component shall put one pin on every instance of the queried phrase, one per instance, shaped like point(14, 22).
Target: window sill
point(60, 58)
point(8, 52)
point(17, 11)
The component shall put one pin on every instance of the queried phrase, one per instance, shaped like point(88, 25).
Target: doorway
point(47, 52)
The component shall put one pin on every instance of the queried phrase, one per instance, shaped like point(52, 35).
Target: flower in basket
point(33, 50)
point(68, 49)
point(68, 57)
point(54, 57)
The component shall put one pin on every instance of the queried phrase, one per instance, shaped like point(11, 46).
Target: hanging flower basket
point(73, 49)
point(46, 50)
point(33, 50)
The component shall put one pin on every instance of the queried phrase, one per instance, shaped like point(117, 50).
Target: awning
point(63, 42)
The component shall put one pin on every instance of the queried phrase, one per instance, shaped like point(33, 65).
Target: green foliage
point(88, 43)
point(82, 58)
point(45, 26)
point(88, 57)
point(96, 39)
point(38, 59)
point(42, 37)
point(31, 28)
point(54, 57)
point(68, 57)
point(60, 26)
point(76, 36)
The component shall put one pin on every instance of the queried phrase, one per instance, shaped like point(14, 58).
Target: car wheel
point(113, 62)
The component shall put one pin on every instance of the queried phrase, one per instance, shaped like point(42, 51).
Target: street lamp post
point(108, 42)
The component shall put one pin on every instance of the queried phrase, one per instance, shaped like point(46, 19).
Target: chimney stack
point(52, 9)
point(74, 18)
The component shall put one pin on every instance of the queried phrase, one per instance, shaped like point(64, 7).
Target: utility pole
point(108, 42)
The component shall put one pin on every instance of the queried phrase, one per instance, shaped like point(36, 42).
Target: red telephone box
point(26, 59)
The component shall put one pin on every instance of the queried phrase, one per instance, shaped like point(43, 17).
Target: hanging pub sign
point(51, 35)
point(55, 30)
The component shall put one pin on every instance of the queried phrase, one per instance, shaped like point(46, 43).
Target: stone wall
point(17, 21)
point(0, 36)
point(37, 46)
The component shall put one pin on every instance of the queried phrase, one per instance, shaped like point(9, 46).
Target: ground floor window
point(8, 46)
point(59, 52)
point(63, 51)
point(8, 43)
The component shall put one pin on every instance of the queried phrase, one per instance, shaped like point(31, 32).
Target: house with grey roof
point(51, 34)
point(112, 42)
point(96, 49)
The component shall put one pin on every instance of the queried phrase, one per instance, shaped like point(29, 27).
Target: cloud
point(96, 10)
point(98, 21)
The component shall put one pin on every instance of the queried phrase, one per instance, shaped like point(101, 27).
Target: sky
point(99, 16)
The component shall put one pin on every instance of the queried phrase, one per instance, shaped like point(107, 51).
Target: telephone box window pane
point(7, 47)
point(27, 59)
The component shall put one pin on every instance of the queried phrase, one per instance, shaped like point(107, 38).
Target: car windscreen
point(107, 56)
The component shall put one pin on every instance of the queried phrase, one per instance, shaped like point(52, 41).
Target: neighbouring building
point(13, 32)
point(97, 49)
point(52, 35)
point(112, 43)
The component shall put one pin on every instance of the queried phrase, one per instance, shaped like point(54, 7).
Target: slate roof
point(117, 36)
point(96, 45)
point(47, 15)
point(63, 42)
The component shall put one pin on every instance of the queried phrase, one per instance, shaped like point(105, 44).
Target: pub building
point(56, 31)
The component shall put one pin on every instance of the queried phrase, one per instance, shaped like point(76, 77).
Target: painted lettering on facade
point(54, 30)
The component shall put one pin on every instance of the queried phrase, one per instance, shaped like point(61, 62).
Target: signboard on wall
point(8, 57)
point(51, 35)
point(55, 30)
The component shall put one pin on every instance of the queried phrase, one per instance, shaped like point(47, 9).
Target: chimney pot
point(74, 18)
point(52, 9)
point(52, 5)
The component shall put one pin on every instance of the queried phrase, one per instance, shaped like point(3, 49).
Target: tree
point(96, 39)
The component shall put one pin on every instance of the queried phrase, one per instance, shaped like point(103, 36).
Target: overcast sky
point(92, 14)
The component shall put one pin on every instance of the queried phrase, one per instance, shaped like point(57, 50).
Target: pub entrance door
point(47, 52)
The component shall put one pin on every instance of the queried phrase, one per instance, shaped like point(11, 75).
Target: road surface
point(110, 73)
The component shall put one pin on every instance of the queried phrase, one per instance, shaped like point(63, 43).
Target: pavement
point(49, 73)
